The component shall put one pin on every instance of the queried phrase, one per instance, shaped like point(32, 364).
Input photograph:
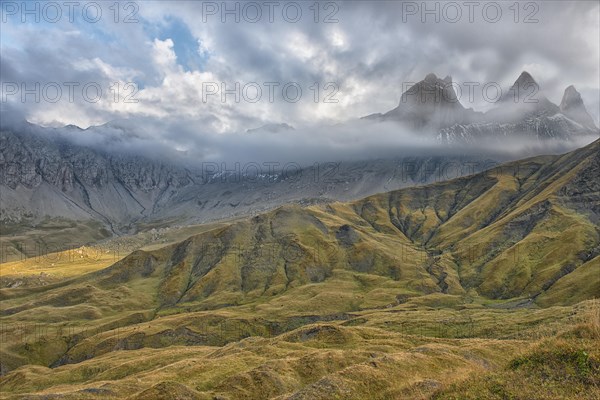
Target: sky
point(228, 67)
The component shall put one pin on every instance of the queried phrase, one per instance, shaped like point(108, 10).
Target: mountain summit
point(572, 106)
point(524, 87)
point(527, 97)
point(525, 79)
point(429, 104)
point(431, 90)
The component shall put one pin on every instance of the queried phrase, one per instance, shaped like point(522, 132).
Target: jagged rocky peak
point(429, 104)
point(525, 89)
point(431, 77)
point(524, 79)
point(432, 90)
point(570, 97)
point(572, 106)
point(432, 106)
point(525, 96)
point(434, 79)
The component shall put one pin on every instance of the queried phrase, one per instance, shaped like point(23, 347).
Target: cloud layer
point(361, 63)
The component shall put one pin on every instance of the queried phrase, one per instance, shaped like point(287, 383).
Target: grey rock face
point(429, 105)
point(43, 176)
point(572, 106)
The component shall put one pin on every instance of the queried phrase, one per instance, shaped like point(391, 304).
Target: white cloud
point(369, 54)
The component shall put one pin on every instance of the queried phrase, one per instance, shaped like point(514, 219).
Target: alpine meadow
point(300, 200)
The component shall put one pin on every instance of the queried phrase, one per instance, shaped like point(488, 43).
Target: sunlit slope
point(523, 229)
point(43, 265)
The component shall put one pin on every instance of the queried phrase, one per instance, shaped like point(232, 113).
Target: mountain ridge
point(47, 181)
point(432, 105)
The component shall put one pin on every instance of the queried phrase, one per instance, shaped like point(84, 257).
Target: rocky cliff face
point(572, 106)
point(43, 175)
point(47, 176)
point(429, 105)
point(32, 159)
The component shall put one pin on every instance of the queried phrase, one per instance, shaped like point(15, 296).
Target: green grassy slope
point(469, 259)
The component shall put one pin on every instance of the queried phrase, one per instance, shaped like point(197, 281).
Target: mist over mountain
point(121, 181)
point(428, 119)
point(428, 105)
point(522, 112)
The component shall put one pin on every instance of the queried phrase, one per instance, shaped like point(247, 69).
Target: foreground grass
point(362, 356)
point(554, 369)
